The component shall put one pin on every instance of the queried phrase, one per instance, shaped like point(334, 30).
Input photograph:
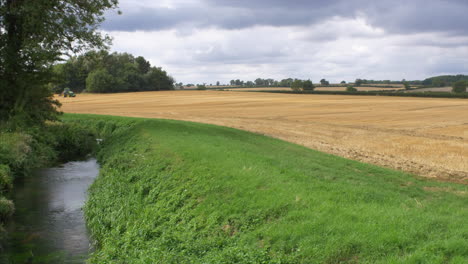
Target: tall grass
point(180, 192)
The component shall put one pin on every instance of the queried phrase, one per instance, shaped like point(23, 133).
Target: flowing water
point(48, 225)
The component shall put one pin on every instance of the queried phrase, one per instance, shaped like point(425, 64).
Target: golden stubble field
point(425, 136)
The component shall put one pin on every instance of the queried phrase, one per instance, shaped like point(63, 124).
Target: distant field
point(427, 136)
point(436, 89)
point(331, 88)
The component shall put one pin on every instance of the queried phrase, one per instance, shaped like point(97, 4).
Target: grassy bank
point(180, 192)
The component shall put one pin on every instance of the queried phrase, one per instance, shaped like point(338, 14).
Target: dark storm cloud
point(394, 16)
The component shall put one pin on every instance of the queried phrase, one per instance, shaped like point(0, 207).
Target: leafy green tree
point(358, 82)
point(343, 82)
point(406, 85)
point(459, 87)
point(100, 81)
point(308, 85)
point(201, 87)
point(297, 85)
point(157, 79)
point(34, 35)
point(351, 89)
point(143, 65)
point(324, 82)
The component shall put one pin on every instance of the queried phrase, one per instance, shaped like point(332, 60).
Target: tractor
point(68, 93)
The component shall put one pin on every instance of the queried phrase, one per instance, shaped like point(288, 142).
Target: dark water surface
point(48, 225)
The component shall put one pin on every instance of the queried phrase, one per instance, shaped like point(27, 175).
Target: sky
point(205, 41)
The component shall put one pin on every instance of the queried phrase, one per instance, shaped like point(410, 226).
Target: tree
point(34, 35)
point(343, 82)
point(201, 87)
point(351, 89)
point(156, 79)
point(100, 81)
point(358, 82)
point(143, 65)
point(217, 83)
point(459, 87)
point(308, 85)
point(297, 85)
point(324, 82)
point(406, 85)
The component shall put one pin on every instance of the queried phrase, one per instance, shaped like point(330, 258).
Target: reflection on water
point(48, 226)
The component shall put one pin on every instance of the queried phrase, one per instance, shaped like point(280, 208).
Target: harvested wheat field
point(425, 136)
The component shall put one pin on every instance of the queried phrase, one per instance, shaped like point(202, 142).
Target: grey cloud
point(397, 16)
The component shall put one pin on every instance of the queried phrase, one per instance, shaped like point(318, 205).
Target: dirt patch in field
point(425, 136)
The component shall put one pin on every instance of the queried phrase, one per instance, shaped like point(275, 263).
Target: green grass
point(181, 192)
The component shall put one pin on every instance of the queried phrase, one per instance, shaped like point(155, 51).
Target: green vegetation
point(34, 35)
point(102, 72)
point(297, 85)
point(308, 85)
point(375, 93)
point(459, 87)
point(351, 89)
point(201, 87)
point(324, 82)
point(181, 192)
point(444, 80)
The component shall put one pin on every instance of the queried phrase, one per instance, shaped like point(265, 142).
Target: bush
point(297, 85)
point(201, 87)
point(308, 85)
point(6, 179)
point(351, 89)
point(6, 208)
point(459, 87)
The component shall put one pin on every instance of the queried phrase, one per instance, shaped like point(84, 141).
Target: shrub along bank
point(181, 192)
point(36, 147)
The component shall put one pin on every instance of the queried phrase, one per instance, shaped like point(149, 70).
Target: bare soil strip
point(425, 136)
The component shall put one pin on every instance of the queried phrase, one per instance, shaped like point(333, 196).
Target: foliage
point(102, 72)
point(324, 82)
point(297, 85)
point(358, 82)
point(308, 85)
point(406, 85)
point(182, 192)
point(100, 81)
point(444, 80)
point(201, 87)
point(351, 89)
point(459, 87)
point(376, 93)
point(33, 35)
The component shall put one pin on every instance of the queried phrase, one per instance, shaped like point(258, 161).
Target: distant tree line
point(104, 72)
point(444, 80)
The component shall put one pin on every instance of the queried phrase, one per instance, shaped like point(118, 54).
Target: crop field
point(425, 136)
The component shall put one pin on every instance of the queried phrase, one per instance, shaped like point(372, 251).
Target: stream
point(48, 225)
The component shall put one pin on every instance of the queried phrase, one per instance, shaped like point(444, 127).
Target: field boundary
point(374, 93)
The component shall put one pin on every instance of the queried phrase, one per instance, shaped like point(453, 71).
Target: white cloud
point(336, 49)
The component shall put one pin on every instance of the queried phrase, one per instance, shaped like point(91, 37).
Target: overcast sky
point(199, 41)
